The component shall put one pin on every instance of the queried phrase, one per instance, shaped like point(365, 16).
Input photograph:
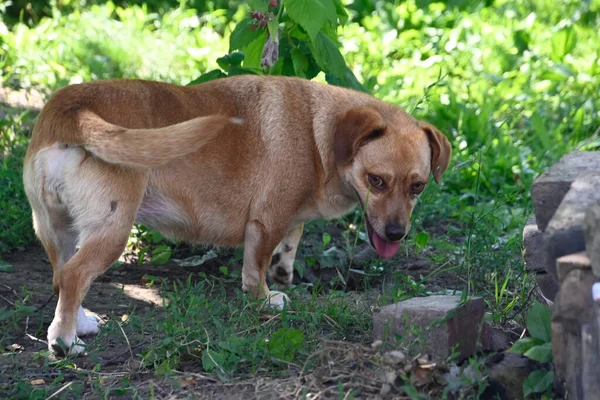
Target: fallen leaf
point(37, 382)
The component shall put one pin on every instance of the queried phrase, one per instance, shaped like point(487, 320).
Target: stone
point(441, 324)
point(364, 254)
point(508, 375)
point(590, 354)
point(550, 187)
point(564, 234)
point(575, 304)
point(565, 264)
point(560, 341)
point(494, 339)
point(591, 229)
point(547, 287)
point(533, 245)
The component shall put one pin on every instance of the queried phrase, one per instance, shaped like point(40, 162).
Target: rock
point(508, 376)
point(549, 188)
point(565, 264)
point(591, 228)
point(574, 306)
point(494, 339)
point(564, 234)
point(560, 341)
point(546, 286)
point(590, 372)
point(365, 254)
point(533, 244)
point(573, 309)
point(439, 323)
point(394, 358)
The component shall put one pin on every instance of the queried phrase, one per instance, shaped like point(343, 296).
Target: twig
point(62, 389)
point(46, 303)
point(130, 350)
point(196, 375)
point(126, 339)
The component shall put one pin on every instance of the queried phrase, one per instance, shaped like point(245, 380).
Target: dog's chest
point(328, 207)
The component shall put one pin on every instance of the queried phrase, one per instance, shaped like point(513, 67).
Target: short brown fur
point(237, 161)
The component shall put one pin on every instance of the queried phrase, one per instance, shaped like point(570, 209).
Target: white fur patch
point(276, 300)
point(86, 324)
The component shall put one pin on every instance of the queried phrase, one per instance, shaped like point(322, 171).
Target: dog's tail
point(147, 148)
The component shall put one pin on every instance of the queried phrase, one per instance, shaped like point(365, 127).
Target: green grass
point(514, 85)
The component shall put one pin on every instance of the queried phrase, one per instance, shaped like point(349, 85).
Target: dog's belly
point(194, 225)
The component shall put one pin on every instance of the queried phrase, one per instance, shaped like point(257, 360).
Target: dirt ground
point(123, 290)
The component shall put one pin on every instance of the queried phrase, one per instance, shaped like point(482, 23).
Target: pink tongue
point(384, 248)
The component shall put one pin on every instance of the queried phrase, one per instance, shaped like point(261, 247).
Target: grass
point(514, 85)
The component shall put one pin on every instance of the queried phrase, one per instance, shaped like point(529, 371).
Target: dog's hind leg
point(281, 271)
point(102, 201)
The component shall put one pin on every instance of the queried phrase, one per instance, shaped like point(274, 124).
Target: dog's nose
point(395, 232)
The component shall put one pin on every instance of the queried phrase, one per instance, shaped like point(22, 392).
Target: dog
point(239, 161)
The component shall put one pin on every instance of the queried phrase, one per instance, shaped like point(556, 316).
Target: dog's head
point(387, 158)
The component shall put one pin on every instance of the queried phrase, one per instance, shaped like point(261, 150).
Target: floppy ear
point(354, 128)
point(440, 150)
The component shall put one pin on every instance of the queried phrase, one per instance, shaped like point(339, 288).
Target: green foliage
point(15, 216)
point(194, 329)
point(538, 348)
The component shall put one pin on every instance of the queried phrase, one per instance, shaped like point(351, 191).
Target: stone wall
point(562, 248)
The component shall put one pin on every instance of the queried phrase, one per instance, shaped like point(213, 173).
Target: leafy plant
point(538, 347)
point(289, 37)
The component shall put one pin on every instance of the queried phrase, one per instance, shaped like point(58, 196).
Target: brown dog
point(237, 161)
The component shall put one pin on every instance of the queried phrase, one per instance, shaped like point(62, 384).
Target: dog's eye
point(417, 187)
point(376, 181)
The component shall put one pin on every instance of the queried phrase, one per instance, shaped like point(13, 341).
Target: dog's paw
point(276, 300)
point(281, 271)
point(63, 344)
point(87, 324)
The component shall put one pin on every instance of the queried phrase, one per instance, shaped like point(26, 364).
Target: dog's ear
point(441, 150)
point(353, 129)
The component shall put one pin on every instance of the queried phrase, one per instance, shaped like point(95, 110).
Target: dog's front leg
point(259, 243)
point(281, 271)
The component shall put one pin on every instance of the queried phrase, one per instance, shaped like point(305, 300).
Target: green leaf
point(161, 255)
point(326, 238)
point(341, 12)
point(328, 56)
point(347, 81)
point(563, 42)
point(541, 353)
point(285, 343)
point(254, 50)
point(6, 267)
point(231, 60)
point(521, 346)
point(208, 76)
point(240, 71)
point(259, 5)
point(311, 14)
point(211, 360)
point(224, 270)
point(300, 62)
point(242, 36)
point(538, 382)
point(538, 322)
point(422, 239)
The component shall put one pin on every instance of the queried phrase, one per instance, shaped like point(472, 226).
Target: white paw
point(276, 300)
point(68, 341)
point(86, 324)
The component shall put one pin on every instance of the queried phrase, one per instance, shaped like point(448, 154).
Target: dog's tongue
point(384, 248)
